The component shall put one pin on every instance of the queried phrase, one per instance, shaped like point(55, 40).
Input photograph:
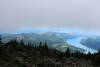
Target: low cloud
point(76, 15)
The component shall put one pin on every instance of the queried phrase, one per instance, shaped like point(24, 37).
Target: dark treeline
point(44, 50)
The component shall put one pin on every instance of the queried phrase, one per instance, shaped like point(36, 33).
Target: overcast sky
point(83, 15)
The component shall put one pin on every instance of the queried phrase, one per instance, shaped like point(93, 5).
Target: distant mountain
point(92, 42)
point(54, 40)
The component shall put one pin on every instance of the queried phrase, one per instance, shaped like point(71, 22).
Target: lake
point(76, 42)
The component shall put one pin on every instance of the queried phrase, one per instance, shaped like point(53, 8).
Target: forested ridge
point(92, 42)
point(54, 39)
point(15, 54)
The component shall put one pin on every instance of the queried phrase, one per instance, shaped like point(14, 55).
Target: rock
point(50, 62)
point(17, 60)
point(33, 66)
point(23, 54)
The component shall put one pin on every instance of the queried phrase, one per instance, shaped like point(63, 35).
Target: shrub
point(22, 65)
point(97, 61)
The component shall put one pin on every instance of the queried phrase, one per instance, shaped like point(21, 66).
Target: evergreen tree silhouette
point(22, 43)
point(40, 43)
point(9, 43)
point(79, 54)
point(67, 53)
point(45, 45)
point(79, 51)
point(55, 51)
point(35, 46)
point(28, 43)
point(0, 40)
point(14, 43)
point(76, 54)
point(99, 51)
point(32, 45)
point(1, 47)
point(88, 55)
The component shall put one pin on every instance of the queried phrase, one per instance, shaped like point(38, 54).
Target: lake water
point(75, 42)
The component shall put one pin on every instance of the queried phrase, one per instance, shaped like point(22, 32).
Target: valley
point(54, 40)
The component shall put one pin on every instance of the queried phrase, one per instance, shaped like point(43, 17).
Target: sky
point(80, 16)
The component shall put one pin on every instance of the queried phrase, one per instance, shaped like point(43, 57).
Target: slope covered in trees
point(92, 42)
point(54, 40)
point(21, 55)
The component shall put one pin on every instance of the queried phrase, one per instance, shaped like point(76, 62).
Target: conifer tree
point(88, 55)
point(14, 43)
point(1, 47)
point(28, 43)
point(22, 43)
point(40, 43)
point(76, 54)
point(55, 51)
point(32, 45)
point(35, 46)
point(79, 54)
point(79, 51)
point(0, 40)
point(67, 53)
point(45, 45)
point(99, 51)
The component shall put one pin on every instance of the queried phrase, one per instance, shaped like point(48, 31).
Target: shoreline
point(77, 40)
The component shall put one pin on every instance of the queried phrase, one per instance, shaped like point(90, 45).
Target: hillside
point(54, 40)
point(92, 42)
point(16, 54)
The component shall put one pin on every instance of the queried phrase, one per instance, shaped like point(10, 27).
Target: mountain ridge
point(51, 37)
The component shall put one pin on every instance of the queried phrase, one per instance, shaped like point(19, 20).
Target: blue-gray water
point(75, 42)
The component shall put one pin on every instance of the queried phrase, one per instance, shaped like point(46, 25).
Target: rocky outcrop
point(29, 58)
point(66, 62)
point(35, 59)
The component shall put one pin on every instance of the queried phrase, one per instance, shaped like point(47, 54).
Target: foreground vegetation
point(30, 54)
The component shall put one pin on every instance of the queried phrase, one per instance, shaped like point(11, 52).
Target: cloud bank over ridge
point(60, 14)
